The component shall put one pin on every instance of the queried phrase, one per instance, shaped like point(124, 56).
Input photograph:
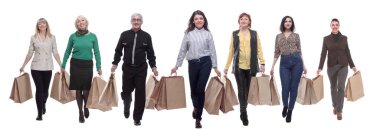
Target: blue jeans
point(199, 72)
point(291, 67)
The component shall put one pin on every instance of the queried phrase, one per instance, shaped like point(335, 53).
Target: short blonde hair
point(79, 18)
point(48, 33)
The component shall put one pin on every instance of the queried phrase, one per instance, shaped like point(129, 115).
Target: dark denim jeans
point(291, 67)
point(199, 72)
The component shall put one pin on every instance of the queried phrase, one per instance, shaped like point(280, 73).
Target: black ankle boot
point(86, 113)
point(81, 119)
point(244, 117)
point(284, 111)
point(289, 116)
point(198, 123)
point(127, 104)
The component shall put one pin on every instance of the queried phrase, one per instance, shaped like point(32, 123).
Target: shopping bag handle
point(112, 75)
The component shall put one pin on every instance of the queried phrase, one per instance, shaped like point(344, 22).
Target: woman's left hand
point(217, 72)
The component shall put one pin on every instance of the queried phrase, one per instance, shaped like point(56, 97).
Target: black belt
point(202, 59)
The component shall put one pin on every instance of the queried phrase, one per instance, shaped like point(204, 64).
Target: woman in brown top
point(288, 45)
point(339, 58)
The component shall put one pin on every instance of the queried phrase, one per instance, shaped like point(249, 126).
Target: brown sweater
point(338, 51)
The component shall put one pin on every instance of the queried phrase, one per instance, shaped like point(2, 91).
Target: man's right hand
point(113, 68)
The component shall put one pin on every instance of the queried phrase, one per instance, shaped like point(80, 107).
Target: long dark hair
point(282, 26)
point(191, 24)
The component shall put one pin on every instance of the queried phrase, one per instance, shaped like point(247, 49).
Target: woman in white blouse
point(42, 46)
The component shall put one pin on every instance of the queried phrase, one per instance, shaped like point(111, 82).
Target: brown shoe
point(339, 116)
point(334, 111)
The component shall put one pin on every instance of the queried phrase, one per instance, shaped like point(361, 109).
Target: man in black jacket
point(137, 45)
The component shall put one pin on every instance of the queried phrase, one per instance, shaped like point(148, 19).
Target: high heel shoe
point(86, 113)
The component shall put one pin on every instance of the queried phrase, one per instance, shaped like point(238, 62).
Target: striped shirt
point(196, 44)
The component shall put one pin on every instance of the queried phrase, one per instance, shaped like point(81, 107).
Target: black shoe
point(289, 116)
point(44, 110)
point(137, 123)
point(39, 118)
point(284, 111)
point(244, 118)
point(81, 119)
point(127, 104)
point(198, 123)
point(86, 113)
point(194, 114)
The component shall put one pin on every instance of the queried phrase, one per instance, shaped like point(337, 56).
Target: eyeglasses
point(136, 20)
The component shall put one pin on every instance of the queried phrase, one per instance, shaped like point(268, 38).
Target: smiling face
point(334, 27)
point(198, 21)
point(41, 26)
point(136, 21)
point(81, 23)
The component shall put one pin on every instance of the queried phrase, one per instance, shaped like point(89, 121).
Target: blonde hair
point(79, 18)
point(48, 33)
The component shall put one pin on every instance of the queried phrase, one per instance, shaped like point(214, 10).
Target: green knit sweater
point(81, 47)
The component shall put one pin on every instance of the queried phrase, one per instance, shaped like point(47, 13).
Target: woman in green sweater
point(81, 44)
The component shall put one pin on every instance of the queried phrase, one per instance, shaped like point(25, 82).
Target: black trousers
point(199, 72)
point(42, 82)
point(243, 80)
point(134, 78)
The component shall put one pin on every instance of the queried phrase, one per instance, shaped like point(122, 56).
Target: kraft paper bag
point(21, 89)
point(213, 96)
point(229, 98)
point(160, 97)
point(275, 96)
point(108, 97)
point(354, 89)
point(150, 86)
point(317, 89)
point(175, 92)
point(302, 92)
point(60, 88)
point(97, 87)
point(259, 91)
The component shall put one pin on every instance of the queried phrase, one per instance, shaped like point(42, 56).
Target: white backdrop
point(166, 21)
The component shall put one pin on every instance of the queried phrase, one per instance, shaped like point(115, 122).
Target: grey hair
point(137, 14)
point(80, 17)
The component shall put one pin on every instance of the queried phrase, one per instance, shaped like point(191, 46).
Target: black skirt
point(81, 72)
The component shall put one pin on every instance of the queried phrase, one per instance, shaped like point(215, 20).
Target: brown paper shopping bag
point(303, 95)
point(175, 92)
point(317, 89)
point(229, 98)
point(149, 88)
point(97, 87)
point(160, 97)
point(275, 96)
point(60, 88)
point(354, 89)
point(213, 96)
point(21, 89)
point(108, 97)
point(259, 91)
